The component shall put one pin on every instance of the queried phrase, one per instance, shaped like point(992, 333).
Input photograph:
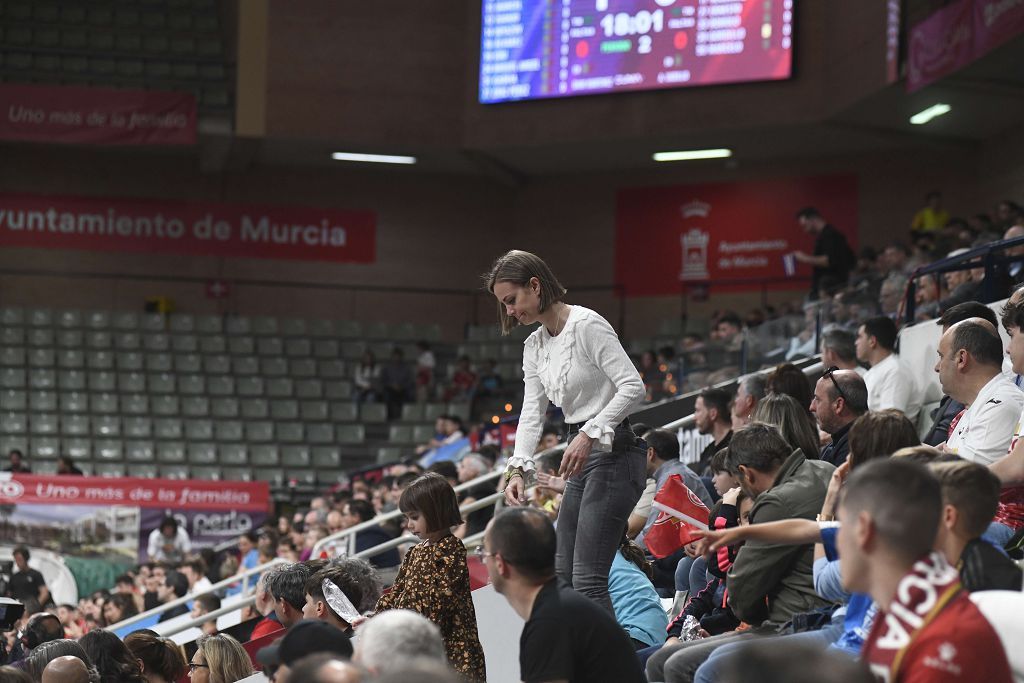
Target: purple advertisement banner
point(206, 529)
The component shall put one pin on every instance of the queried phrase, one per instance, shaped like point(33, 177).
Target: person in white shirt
point(891, 384)
point(970, 371)
point(574, 359)
point(169, 542)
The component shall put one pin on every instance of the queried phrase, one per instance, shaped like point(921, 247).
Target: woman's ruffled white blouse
point(584, 371)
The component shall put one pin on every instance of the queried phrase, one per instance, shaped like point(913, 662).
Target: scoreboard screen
point(533, 49)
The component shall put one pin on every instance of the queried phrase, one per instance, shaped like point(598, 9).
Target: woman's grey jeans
point(594, 512)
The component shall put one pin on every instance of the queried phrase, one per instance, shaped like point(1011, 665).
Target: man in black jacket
point(840, 397)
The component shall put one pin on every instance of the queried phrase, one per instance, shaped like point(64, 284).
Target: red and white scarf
point(921, 595)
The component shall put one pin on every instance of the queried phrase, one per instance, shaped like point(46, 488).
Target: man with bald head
point(67, 669)
point(970, 371)
point(840, 397)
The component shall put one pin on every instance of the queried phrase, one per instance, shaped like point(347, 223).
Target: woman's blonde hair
point(519, 267)
point(226, 658)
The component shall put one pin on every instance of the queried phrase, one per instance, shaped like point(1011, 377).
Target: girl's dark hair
point(160, 656)
point(125, 603)
point(633, 553)
point(879, 434)
point(519, 267)
point(433, 497)
point(113, 660)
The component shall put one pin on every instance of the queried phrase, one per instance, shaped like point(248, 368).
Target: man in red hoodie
point(928, 630)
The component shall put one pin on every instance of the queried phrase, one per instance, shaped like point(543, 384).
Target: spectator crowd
point(837, 540)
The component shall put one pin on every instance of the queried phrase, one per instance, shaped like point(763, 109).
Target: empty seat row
point(132, 362)
point(428, 412)
point(44, 340)
point(480, 352)
point(46, 449)
point(260, 326)
point(76, 403)
point(410, 434)
point(166, 383)
point(175, 428)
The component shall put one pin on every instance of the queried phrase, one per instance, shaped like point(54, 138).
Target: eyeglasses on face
point(482, 554)
point(192, 666)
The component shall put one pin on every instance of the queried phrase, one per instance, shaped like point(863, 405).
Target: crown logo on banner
point(695, 208)
point(695, 254)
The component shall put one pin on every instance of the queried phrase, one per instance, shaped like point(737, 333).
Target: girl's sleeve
point(392, 598)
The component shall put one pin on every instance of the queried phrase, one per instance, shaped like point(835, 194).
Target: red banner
point(96, 116)
point(202, 229)
point(728, 235)
point(177, 494)
point(958, 34)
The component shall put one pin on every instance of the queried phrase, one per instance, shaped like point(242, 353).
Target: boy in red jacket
point(928, 630)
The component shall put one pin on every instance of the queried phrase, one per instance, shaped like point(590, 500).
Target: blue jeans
point(691, 574)
point(998, 534)
point(711, 670)
point(594, 512)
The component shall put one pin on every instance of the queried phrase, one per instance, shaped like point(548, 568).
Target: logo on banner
point(695, 254)
point(695, 208)
point(11, 489)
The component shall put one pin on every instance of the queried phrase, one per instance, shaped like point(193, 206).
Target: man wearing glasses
point(840, 397)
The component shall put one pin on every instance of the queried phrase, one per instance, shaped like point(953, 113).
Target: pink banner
point(958, 34)
point(941, 44)
point(178, 494)
point(198, 228)
point(96, 116)
point(995, 22)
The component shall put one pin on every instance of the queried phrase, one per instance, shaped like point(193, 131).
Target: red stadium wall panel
point(96, 116)
point(199, 229)
point(119, 513)
point(727, 236)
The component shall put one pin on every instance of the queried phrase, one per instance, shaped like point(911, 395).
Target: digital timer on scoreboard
point(558, 48)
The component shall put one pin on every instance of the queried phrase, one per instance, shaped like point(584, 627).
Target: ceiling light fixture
point(693, 154)
point(373, 158)
point(923, 117)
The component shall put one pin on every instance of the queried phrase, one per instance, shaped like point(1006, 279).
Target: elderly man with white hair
point(393, 638)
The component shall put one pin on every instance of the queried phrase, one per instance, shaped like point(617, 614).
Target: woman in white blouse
point(574, 359)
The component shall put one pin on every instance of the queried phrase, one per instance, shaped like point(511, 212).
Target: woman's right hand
point(515, 491)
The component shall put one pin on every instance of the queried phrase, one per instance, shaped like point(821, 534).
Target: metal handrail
point(485, 502)
point(986, 254)
point(210, 616)
point(159, 609)
point(350, 532)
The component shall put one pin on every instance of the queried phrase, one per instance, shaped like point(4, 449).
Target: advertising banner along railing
point(115, 516)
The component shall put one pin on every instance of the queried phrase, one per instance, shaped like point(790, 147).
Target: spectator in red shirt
point(928, 629)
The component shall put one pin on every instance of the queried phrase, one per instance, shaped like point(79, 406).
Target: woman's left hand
point(575, 456)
